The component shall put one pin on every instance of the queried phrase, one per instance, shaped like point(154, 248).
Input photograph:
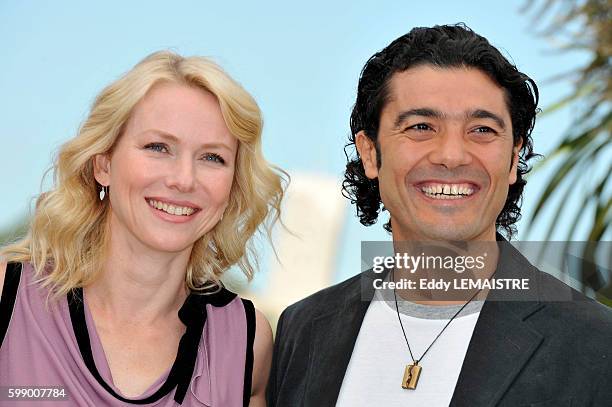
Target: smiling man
point(442, 130)
point(444, 155)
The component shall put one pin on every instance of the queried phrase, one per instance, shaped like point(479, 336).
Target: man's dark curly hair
point(446, 46)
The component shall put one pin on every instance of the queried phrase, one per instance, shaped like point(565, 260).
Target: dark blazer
point(522, 353)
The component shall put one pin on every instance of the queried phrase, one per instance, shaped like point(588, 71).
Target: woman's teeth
point(447, 191)
point(171, 209)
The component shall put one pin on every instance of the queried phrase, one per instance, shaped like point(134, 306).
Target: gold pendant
point(411, 376)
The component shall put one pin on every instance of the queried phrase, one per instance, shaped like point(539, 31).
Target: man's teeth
point(171, 209)
point(447, 191)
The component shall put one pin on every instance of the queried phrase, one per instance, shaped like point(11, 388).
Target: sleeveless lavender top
point(58, 346)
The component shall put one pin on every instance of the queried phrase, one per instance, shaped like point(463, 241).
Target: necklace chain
point(416, 361)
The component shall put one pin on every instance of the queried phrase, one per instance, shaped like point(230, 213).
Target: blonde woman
point(114, 297)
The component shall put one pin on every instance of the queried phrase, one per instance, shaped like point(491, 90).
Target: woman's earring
point(103, 192)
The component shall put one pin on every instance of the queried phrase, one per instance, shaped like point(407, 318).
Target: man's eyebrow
point(485, 114)
point(423, 111)
point(428, 112)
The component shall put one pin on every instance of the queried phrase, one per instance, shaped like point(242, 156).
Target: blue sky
point(301, 62)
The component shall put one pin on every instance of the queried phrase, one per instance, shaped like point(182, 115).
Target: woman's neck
point(139, 285)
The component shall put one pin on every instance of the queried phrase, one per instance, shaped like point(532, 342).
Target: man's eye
point(214, 157)
point(484, 129)
point(159, 147)
point(420, 127)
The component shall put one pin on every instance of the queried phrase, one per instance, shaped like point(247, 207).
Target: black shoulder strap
point(248, 367)
point(9, 296)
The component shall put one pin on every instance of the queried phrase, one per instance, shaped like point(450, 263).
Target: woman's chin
point(170, 246)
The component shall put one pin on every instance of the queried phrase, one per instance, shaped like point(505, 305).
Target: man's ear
point(367, 153)
point(515, 159)
point(101, 167)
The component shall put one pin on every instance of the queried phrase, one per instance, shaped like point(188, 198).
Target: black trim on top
point(9, 296)
point(249, 310)
point(192, 314)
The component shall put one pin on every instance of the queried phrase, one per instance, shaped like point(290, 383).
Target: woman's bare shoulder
point(262, 349)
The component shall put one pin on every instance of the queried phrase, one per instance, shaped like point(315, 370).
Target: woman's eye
point(159, 147)
point(214, 157)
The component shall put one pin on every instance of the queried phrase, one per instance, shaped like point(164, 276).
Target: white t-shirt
point(375, 371)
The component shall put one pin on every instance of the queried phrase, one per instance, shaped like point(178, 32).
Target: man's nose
point(450, 149)
point(182, 175)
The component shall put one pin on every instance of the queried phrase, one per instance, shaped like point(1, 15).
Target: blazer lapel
point(502, 342)
point(333, 338)
point(501, 345)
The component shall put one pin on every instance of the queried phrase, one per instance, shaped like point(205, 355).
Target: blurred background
point(301, 62)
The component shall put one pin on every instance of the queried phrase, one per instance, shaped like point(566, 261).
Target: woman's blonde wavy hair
point(67, 237)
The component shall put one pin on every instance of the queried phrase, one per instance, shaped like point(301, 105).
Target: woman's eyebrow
point(172, 138)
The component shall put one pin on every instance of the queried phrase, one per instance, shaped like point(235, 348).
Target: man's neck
point(442, 263)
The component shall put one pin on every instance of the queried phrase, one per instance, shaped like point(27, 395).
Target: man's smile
point(443, 190)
